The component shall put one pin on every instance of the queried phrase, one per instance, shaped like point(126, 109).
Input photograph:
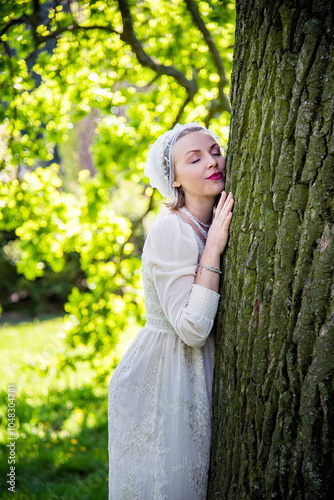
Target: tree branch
point(76, 27)
point(16, 20)
point(224, 103)
point(72, 28)
point(128, 36)
point(35, 20)
point(181, 110)
point(209, 41)
point(217, 106)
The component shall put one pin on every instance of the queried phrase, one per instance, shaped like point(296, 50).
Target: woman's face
point(199, 165)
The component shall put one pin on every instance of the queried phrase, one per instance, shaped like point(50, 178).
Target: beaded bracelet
point(209, 268)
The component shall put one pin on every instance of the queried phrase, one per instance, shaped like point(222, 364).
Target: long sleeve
point(171, 257)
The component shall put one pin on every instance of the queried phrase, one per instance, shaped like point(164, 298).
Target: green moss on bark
point(273, 418)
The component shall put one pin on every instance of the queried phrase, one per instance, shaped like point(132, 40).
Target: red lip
point(215, 176)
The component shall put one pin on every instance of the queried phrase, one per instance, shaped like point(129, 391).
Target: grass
point(61, 416)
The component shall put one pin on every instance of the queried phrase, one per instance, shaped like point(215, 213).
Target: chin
point(220, 187)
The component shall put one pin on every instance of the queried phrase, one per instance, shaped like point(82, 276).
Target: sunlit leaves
point(50, 224)
point(70, 65)
point(84, 69)
point(38, 214)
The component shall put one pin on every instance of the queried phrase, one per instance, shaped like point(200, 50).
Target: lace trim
point(203, 301)
point(159, 324)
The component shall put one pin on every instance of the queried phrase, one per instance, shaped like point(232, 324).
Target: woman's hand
point(218, 232)
point(215, 243)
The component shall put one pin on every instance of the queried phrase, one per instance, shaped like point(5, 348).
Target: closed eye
point(216, 152)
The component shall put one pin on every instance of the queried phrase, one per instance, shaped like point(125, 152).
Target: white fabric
point(160, 393)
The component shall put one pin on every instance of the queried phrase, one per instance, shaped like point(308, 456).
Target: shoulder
point(169, 234)
point(170, 225)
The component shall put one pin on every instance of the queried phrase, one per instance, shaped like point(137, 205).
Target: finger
point(228, 198)
point(227, 206)
point(220, 204)
point(226, 224)
point(228, 220)
point(222, 199)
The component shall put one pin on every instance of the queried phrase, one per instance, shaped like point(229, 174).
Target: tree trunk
point(273, 423)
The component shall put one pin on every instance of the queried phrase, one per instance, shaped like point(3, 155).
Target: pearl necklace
point(196, 221)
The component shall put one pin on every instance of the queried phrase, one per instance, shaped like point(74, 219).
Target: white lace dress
point(160, 393)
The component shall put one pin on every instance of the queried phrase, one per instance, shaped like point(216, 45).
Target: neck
point(202, 209)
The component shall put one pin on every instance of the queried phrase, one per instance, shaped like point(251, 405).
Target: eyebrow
point(199, 150)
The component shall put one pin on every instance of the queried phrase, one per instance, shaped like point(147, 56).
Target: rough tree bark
point(273, 423)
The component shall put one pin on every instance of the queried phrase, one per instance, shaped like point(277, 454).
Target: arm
point(171, 260)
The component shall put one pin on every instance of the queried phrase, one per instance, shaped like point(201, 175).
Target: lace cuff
point(203, 302)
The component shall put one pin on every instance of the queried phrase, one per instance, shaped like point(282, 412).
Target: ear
point(176, 184)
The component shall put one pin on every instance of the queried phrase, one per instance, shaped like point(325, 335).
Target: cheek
point(186, 175)
point(223, 162)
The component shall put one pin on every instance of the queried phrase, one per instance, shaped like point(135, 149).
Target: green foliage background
point(131, 70)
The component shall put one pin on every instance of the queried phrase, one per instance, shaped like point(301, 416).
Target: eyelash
point(214, 154)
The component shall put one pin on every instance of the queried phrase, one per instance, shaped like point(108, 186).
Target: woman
point(160, 393)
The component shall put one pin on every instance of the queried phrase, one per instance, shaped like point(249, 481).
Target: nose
point(211, 161)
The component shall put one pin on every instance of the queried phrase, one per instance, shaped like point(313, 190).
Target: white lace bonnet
point(160, 165)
